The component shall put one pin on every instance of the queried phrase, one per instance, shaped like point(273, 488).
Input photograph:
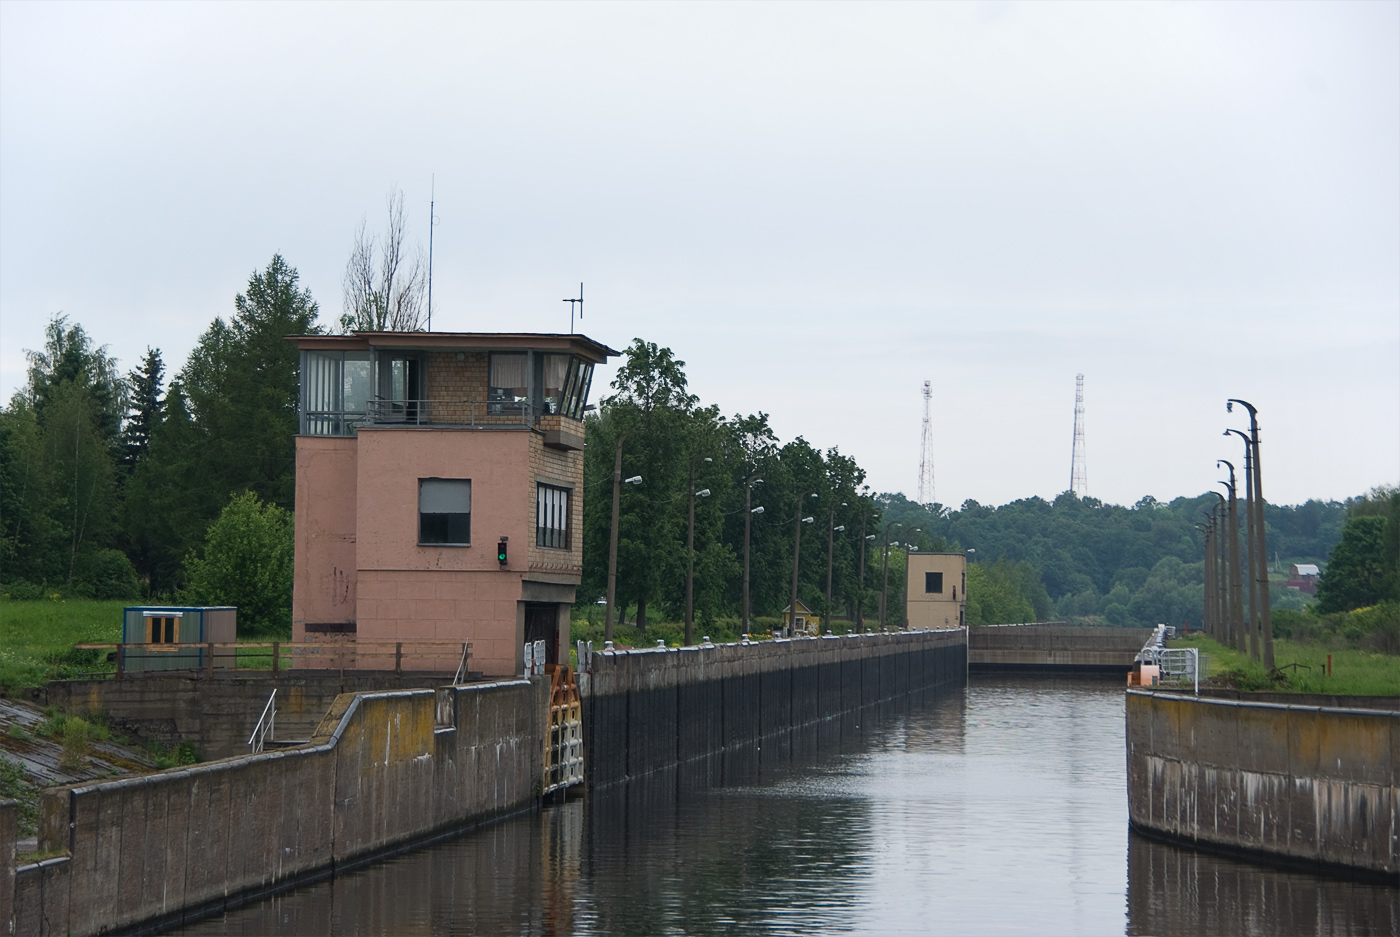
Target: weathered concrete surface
point(9, 831)
point(645, 710)
point(378, 774)
point(217, 714)
point(1053, 647)
point(1304, 784)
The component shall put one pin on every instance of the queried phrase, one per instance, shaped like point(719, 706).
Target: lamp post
point(831, 530)
point(1236, 632)
point(798, 521)
point(860, 592)
point(1220, 584)
point(1205, 529)
point(1251, 548)
point(612, 541)
point(690, 558)
point(885, 563)
point(1266, 621)
point(748, 517)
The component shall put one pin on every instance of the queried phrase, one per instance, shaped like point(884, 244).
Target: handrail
point(269, 715)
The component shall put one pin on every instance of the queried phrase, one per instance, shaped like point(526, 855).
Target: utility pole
point(1251, 548)
point(831, 529)
point(860, 591)
point(690, 558)
point(798, 521)
point(1236, 632)
point(1266, 622)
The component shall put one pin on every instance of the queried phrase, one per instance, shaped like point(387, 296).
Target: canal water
point(996, 810)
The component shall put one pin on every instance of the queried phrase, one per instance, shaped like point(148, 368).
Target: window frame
point(542, 505)
point(933, 576)
point(467, 514)
point(170, 623)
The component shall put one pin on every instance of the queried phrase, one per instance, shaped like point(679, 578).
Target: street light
point(612, 537)
point(748, 518)
point(1251, 547)
point(860, 591)
point(797, 554)
point(690, 557)
point(1236, 628)
point(830, 540)
point(1266, 620)
point(885, 586)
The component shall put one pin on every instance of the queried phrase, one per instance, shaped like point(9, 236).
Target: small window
point(507, 387)
point(445, 511)
point(552, 517)
point(163, 629)
point(933, 582)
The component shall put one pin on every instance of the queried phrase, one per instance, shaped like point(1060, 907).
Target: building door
point(542, 624)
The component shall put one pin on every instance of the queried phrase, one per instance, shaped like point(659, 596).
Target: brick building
point(421, 454)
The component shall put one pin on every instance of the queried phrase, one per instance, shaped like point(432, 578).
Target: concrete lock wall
point(1306, 784)
point(645, 710)
point(1053, 647)
point(380, 773)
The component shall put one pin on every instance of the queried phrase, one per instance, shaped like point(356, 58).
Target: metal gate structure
point(563, 753)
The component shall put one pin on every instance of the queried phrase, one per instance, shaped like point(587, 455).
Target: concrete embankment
point(645, 710)
point(1052, 647)
point(383, 771)
point(1303, 784)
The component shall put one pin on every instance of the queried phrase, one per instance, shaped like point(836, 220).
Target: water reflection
point(997, 810)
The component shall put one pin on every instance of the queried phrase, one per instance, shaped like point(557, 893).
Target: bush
point(247, 562)
point(113, 577)
point(21, 591)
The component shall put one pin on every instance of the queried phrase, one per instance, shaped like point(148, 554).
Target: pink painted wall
point(323, 583)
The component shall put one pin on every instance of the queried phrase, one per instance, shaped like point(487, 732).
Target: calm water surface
point(999, 810)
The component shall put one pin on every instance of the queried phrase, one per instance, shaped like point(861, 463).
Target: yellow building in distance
point(936, 590)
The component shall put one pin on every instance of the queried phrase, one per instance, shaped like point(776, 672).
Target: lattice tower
point(926, 450)
point(1078, 473)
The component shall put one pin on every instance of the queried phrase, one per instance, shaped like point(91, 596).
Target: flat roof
point(576, 344)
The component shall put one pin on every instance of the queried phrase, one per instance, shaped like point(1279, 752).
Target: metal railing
point(1177, 664)
point(265, 730)
point(428, 656)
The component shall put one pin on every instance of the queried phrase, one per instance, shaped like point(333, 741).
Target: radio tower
point(1078, 474)
point(926, 451)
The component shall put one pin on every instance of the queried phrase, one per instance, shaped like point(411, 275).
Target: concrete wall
point(217, 715)
point(1305, 784)
point(645, 710)
point(1053, 647)
point(378, 775)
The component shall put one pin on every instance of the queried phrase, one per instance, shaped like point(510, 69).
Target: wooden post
point(209, 659)
point(276, 656)
point(121, 661)
point(398, 658)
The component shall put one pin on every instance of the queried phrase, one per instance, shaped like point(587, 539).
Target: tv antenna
point(432, 223)
point(571, 302)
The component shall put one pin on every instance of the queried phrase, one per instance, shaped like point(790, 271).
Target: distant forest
point(119, 485)
point(1119, 565)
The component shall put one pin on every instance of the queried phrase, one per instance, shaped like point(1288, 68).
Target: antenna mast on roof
point(1078, 473)
point(926, 451)
point(432, 222)
point(571, 302)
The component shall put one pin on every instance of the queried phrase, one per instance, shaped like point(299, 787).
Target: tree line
point(118, 485)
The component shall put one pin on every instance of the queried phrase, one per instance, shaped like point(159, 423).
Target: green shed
point(167, 630)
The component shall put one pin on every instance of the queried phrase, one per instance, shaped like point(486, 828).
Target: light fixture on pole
point(748, 517)
point(1266, 622)
point(797, 555)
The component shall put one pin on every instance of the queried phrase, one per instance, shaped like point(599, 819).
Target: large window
point(445, 511)
point(507, 386)
point(933, 582)
point(336, 388)
point(552, 517)
point(566, 381)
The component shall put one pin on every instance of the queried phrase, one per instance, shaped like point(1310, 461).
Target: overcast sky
point(817, 206)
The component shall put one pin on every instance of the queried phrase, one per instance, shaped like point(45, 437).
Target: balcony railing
point(420, 412)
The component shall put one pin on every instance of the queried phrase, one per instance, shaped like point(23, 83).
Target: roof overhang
point(554, 342)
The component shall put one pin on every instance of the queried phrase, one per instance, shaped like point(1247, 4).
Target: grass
point(1302, 668)
point(37, 638)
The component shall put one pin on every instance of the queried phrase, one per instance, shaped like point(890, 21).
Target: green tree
point(994, 595)
point(144, 385)
point(1356, 575)
point(247, 562)
point(241, 385)
point(69, 359)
